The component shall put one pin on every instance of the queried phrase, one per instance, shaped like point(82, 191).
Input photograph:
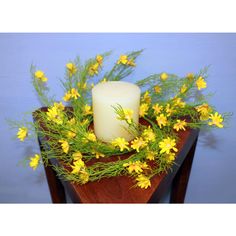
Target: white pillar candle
point(107, 94)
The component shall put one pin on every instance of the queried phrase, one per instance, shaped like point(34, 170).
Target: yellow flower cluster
point(190, 76)
point(164, 76)
point(73, 93)
point(55, 113)
point(149, 135)
point(128, 115)
point(136, 166)
point(180, 125)
point(71, 133)
point(125, 114)
point(138, 143)
point(71, 69)
point(216, 119)
point(64, 145)
point(178, 102)
point(124, 60)
point(167, 145)
point(121, 143)
point(93, 69)
point(91, 137)
point(34, 161)
point(98, 154)
point(143, 181)
point(150, 155)
point(201, 83)
point(205, 114)
point(146, 98)
point(87, 110)
point(157, 89)
point(79, 167)
point(161, 120)
point(143, 109)
point(157, 108)
point(40, 76)
point(22, 133)
point(204, 111)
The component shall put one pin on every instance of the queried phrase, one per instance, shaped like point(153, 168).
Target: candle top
point(114, 90)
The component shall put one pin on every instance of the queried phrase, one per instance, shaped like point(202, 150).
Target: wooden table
point(119, 189)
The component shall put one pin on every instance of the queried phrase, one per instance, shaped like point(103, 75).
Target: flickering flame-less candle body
point(105, 95)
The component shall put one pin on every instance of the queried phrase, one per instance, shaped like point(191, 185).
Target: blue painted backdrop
point(214, 168)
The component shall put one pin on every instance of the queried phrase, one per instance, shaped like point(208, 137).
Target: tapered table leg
point(180, 182)
point(56, 188)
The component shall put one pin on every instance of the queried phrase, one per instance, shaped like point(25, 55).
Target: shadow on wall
point(208, 139)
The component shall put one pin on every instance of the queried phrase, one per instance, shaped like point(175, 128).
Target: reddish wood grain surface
point(119, 189)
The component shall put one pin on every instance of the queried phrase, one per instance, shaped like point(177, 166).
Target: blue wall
point(213, 174)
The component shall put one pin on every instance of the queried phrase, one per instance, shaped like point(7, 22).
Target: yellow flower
point(204, 111)
point(201, 83)
point(71, 134)
point(123, 60)
point(216, 120)
point(143, 109)
point(91, 137)
point(180, 125)
point(99, 59)
point(87, 110)
point(150, 155)
point(64, 145)
point(77, 155)
point(136, 166)
point(98, 154)
point(169, 110)
point(143, 181)
point(149, 135)
point(157, 89)
point(146, 98)
point(74, 93)
point(128, 115)
point(164, 76)
point(22, 133)
point(121, 143)
point(71, 67)
point(178, 102)
point(157, 108)
point(93, 69)
point(34, 161)
point(77, 166)
point(67, 97)
point(59, 106)
point(40, 75)
point(84, 176)
point(131, 62)
point(190, 76)
point(167, 145)
point(138, 143)
point(183, 89)
point(170, 157)
point(55, 115)
point(161, 120)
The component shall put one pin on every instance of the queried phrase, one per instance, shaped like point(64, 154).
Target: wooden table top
point(120, 189)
